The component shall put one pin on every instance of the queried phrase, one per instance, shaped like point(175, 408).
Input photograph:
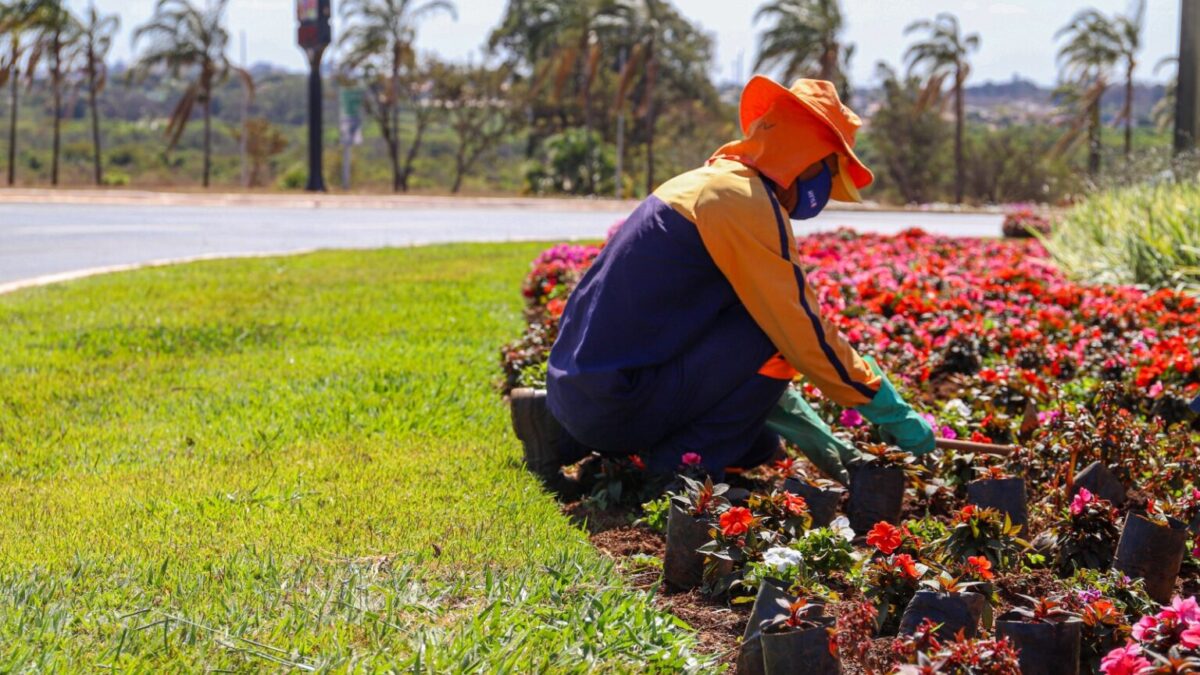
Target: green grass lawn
point(290, 463)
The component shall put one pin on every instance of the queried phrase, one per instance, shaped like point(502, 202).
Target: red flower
point(981, 566)
point(736, 521)
point(637, 462)
point(966, 513)
point(794, 505)
point(885, 537)
point(908, 566)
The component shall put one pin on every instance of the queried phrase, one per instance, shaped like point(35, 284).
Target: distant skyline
point(1017, 35)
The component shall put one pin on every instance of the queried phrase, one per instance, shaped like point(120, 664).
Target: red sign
point(314, 29)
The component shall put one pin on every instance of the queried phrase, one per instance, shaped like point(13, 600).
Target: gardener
point(685, 333)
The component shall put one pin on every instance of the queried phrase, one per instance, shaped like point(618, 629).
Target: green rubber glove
point(898, 423)
point(796, 421)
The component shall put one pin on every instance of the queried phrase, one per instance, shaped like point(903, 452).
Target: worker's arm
point(751, 242)
point(753, 246)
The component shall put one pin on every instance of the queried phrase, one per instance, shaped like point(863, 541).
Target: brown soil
point(1035, 584)
point(718, 627)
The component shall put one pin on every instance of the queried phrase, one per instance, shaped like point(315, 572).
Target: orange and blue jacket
point(704, 241)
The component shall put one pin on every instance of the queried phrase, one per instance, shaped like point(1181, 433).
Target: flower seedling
point(1087, 534)
point(701, 500)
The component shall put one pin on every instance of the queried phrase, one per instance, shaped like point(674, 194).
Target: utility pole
point(1187, 96)
point(242, 140)
point(315, 34)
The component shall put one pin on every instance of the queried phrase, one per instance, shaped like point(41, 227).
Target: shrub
point(1147, 234)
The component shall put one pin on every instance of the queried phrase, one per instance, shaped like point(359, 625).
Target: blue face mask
point(812, 195)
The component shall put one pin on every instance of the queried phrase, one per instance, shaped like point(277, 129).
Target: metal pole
point(245, 117)
point(1187, 98)
point(316, 177)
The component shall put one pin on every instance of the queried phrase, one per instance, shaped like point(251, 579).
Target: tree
point(477, 111)
point(555, 49)
point(943, 53)
point(1086, 59)
point(185, 39)
point(1163, 113)
point(14, 23)
point(56, 33)
point(668, 63)
point(96, 35)
point(1128, 31)
point(804, 40)
point(908, 137)
point(263, 141)
point(376, 46)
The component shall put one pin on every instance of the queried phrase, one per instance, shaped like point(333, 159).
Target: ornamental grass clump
point(1147, 234)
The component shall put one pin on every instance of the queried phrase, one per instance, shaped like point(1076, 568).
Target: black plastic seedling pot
point(683, 567)
point(772, 599)
point(1153, 552)
point(876, 493)
point(1006, 495)
point(954, 611)
point(801, 651)
point(822, 502)
point(1050, 648)
point(1097, 478)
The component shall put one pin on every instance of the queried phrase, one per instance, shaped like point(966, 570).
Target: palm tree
point(14, 22)
point(97, 34)
point(377, 43)
point(1086, 59)
point(804, 40)
point(644, 24)
point(56, 33)
point(1163, 113)
point(944, 54)
point(558, 43)
point(187, 39)
point(1128, 30)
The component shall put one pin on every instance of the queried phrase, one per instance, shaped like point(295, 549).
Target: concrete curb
point(50, 279)
point(109, 197)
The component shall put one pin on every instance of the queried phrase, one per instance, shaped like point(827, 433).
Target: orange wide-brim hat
point(820, 98)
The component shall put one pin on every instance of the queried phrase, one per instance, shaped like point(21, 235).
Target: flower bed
point(993, 343)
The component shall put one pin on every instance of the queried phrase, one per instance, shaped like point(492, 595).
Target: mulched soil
point(718, 626)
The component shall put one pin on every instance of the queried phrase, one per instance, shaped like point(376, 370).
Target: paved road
point(47, 239)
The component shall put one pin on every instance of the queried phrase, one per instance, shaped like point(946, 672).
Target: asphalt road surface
point(41, 239)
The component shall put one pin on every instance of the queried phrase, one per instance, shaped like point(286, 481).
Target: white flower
point(841, 526)
point(955, 406)
point(781, 558)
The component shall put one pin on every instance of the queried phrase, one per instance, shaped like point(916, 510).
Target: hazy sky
point(1017, 35)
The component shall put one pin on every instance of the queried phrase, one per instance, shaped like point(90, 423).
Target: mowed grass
point(293, 463)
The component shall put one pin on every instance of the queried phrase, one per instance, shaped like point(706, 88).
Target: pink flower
point(1145, 625)
point(1156, 389)
point(948, 432)
point(851, 418)
point(691, 459)
point(1182, 611)
point(1190, 638)
point(1127, 660)
point(1081, 500)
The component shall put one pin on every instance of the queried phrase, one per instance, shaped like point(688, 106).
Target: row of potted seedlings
point(932, 593)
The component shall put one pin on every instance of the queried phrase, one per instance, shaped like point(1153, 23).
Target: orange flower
point(885, 537)
point(736, 521)
point(794, 505)
point(981, 566)
point(966, 512)
point(908, 566)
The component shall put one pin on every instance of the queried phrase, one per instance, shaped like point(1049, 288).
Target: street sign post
point(350, 103)
point(314, 35)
